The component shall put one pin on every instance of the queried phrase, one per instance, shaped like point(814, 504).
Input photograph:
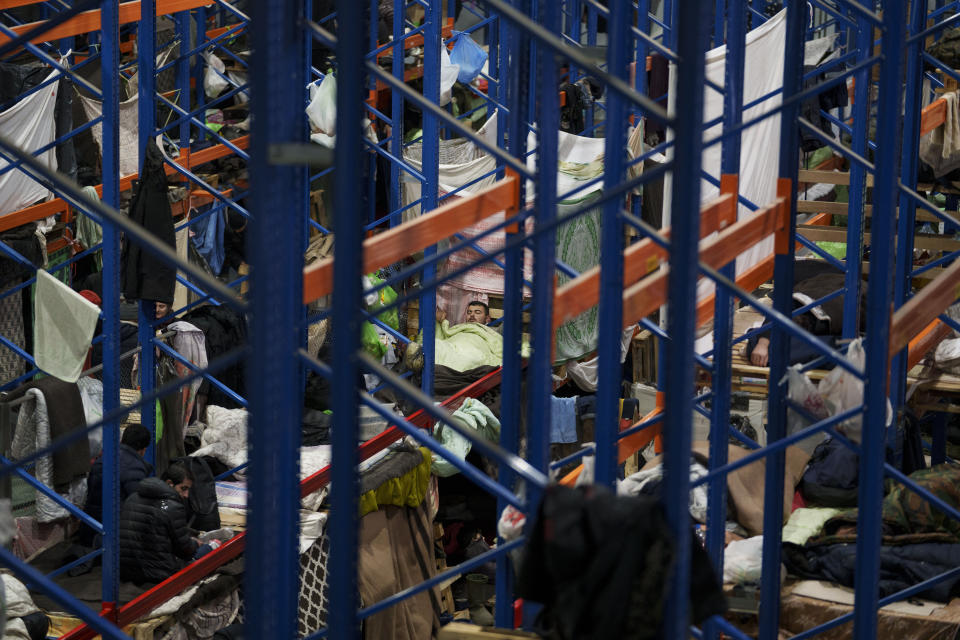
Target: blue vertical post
point(723, 301)
point(276, 290)
point(691, 32)
point(182, 22)
point(199, 64)
point(858, 182)
point(431, 172)
point(539, 382)
point(147, 119)
point(110, 63)
point(512, 90)
point(346, 319)
point(718, 14)
point(908, 177)
point(780, 340)
point(870, 491)
point(396, 117)
point(610, 322)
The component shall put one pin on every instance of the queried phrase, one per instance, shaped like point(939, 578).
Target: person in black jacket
point(133, 469)
point(154, 540)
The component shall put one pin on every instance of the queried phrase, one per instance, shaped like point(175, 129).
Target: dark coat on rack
point(154, 540)
point(143, 275)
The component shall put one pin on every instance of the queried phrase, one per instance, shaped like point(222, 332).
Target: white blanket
point(30, 125)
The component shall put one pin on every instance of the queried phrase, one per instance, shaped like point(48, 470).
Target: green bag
point(385, 296)
point(371, 341)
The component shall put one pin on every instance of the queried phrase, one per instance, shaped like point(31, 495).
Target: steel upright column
point(147, 119)
point(110, 63)
point(858, 183)
point(908, 177)
point(512, 83)
point(610, 322)
point(539, 385)
point(723, 302)
point(347, 305)
point(691, 37)
point(430, 165)
point(780, 340)
point(885, 191)
point(276, 290)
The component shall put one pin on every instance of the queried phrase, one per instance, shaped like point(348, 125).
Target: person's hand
point(761, 353)
point(441, 315)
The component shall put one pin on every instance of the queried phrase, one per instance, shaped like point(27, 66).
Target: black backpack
point(203, 513)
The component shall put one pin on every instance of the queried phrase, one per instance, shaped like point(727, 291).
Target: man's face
point(476, 313)
point(182, 489)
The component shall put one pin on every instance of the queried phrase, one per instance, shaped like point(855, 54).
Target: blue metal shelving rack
point(525, 54)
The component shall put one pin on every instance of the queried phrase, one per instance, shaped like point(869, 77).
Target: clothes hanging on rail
point(16, 310)
point(64, 322)
point(143, 275)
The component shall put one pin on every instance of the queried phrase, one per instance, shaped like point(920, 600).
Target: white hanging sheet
point(760, 143)
point(30, 125)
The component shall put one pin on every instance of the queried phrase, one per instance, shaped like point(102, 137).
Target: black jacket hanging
point(143, 275)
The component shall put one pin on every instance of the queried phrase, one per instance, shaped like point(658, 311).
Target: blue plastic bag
point(468, 55)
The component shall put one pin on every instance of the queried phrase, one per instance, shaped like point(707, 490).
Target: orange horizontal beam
point(88, 21)
point(923, 308)
point(932, 116)
point(640, 259)
point(926, 340)
point(626, 447)
point(643, 298)
point(417, 40)
point(58, 205)
point(418, 234)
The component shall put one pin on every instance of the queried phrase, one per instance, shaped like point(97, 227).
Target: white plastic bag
point(322, 110)
point(213, 82)
point(841, 391)
point(801, 391)
point(448, 76)
point(743, 561)
point(947, 355)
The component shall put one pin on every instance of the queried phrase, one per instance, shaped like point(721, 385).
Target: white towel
point(64, 322)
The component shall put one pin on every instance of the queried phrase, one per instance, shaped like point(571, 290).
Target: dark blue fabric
point(832, 475)
point(900, 566)
point(207, 236)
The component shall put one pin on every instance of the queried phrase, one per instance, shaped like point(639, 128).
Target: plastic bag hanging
point(468, 55)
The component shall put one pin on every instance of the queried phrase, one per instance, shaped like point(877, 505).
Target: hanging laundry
point(64, 322)
point(763, 75)
point(143, 275)
point(190, 343)
point(941, 147)
point(207, 236)
point(30, 125)
point(563, 420)
point(128, 135)
point(448, 76)
point(89, 232)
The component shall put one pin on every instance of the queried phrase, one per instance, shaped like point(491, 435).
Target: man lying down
point(813, 279)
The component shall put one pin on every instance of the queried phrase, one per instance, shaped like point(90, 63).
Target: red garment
point(91, 296)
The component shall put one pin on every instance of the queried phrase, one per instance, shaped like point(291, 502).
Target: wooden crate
point(644, 352)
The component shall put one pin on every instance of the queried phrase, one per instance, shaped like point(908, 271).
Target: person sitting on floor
point(154, 540)
point(132, 469)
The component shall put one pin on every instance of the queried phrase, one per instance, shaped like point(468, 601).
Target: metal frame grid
point(525, 45)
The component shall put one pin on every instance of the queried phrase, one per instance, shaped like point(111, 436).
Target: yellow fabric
point(408, 490)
